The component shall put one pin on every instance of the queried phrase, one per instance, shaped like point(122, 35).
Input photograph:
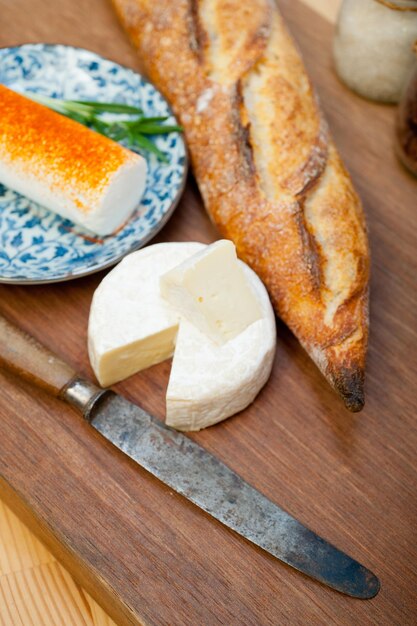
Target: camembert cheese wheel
point(132, 327)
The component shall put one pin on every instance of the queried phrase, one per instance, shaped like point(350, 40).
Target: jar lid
point(400, 5)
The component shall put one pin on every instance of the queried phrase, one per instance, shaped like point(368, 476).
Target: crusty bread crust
point(269, 173)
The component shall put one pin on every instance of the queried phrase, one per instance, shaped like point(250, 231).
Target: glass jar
point(373, 46)
point(406, 141)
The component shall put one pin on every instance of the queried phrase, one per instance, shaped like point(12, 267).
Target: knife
point(187, 468)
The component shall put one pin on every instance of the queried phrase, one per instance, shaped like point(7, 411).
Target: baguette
point(267, 168)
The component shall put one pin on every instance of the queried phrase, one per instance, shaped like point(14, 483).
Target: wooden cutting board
point(144, 553)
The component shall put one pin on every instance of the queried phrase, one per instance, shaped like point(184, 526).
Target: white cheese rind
point(111, 208)
point(210, 382)
point(211, 291)
point(131, 326)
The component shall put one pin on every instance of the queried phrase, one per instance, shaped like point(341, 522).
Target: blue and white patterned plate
point(37, 246)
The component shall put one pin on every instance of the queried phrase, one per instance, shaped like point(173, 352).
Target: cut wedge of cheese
point(211, 291)
point(132, 327)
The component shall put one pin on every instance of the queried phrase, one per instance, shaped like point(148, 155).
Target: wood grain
point(19, 549)
point(20, 593)
point(30, 360)
point(147, 555)
point(34, 589)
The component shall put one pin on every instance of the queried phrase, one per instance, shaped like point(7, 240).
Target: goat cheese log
point(269, 173)
point(67, 167)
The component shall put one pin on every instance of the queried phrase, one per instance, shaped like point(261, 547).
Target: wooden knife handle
point(23, 355)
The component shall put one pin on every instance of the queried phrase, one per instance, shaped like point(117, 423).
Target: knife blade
point(188, 468)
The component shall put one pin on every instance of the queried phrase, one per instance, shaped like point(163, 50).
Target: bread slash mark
point(242, 129)
point(197, 37)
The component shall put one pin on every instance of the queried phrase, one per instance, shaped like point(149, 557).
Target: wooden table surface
point(352, 478)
